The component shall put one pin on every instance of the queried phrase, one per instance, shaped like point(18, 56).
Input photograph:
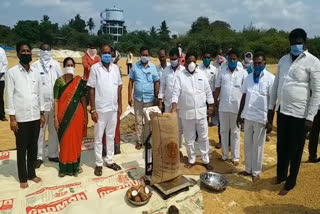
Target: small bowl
point(214, 181)
point(137, 203)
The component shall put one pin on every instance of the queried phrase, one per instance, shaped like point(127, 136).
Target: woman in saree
point(71, 118)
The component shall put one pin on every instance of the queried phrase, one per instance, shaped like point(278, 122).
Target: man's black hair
point(259, 54)
point(191, 53)
point(144, 49)
point(174, 52)
point(22, 43)
point(234, 51)
point(298, 33)
point(43, 44)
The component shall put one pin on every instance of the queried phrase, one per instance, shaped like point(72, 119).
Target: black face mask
point(25, 59)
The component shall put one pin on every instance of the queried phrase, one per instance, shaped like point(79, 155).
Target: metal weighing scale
point(166, 189)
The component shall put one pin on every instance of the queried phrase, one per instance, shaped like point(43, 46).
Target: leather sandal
point(98, 171)
point(114, 166)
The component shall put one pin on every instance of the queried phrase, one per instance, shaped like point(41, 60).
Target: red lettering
point(56, 205)
point(6, 204)
point(4, 155)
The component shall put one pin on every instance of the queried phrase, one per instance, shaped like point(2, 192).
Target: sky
point(179, 14)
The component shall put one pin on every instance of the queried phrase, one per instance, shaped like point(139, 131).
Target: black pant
point(2, 114)
point(27, 143)
point(314, 137)
point(290, 142)
point(129, 66)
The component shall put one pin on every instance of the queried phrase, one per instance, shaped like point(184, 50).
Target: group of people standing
point(40, 95)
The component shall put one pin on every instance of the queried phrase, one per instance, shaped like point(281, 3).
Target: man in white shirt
point(129, 61)
point(298, 74)
point(106, 103)
point(254, 105)
point(3, 70)
point(211, 72)
point(192, 92)
point(220, 60)
point(162, 56)
point(166, 86)
point(50, 71)
point(25, 106)
point(228, 92)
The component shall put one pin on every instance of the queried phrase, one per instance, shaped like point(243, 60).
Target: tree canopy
point(202, 36)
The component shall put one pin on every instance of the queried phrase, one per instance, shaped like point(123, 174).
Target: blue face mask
point(296, 50)
point(257, 69)
point(106, 58)
point(232, 65)
point(206, 62)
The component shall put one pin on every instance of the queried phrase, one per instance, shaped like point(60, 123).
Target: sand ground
point(242, 196)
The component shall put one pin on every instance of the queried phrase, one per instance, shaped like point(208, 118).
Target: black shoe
point(38, 163)
point(56, 160)
point(313, 160)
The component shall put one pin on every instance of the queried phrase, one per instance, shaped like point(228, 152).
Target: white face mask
point(192, 67)
point(174, 63)
point(69, 70)
point(45, 55)
point(144, 59)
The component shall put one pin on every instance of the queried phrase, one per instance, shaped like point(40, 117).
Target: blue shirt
point(144, 79)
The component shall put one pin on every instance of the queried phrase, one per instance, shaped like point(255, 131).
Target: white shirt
point(230, 84)
point(257, 97)
point(211, 72)
point(106, 84)
point(49, 73)
point(160, 69)
point(292, 86)
point(192, 92)
point(167, 82)
point(23, 94)
point(130, 58)
point(3, 64)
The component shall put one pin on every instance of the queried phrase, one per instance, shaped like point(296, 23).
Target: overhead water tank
point(112, 22)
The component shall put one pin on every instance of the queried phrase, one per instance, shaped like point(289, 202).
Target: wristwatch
point(92, 111)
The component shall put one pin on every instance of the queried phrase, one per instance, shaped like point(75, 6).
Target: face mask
point(144, 59)
point(25, 59)
point(232, 65)
point(92, 53)
point(192, 67)
point(106, 58)
point(296, 50)
point(206, 62)
point(69, 70)
point(174, 63)
point(45, 55)
point(257, 69)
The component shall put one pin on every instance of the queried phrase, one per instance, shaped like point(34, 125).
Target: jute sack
point(165, 147)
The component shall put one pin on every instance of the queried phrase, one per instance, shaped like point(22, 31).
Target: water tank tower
point(112, 23)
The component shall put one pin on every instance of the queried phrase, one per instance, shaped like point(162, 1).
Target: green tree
point(28, 30)
point(164, 31)
point(91, 25)
point(78, 24)
point(153, 32)
point(202, 23)
point(48, 31)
